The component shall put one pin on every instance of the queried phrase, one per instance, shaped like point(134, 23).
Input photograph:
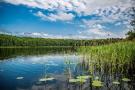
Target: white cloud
point(85, 6)
point(34, 34)
point(109, 11)
point(89, 34)
point(98, 31)
point(81, 7)
point(54, 17)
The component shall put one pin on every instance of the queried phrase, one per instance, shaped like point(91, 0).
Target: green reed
point(115, 55)
point(117, 52)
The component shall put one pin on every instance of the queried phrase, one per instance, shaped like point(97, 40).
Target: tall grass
point(113, 57)
point(122, 51)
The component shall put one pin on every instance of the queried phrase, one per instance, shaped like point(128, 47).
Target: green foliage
point(131, 34)
point(9, 40)
point(122, 51)
point(114, 56)
point(78, 80)
point(116, 82)
point(46, 79)
point(126, 80)
point(97, 83)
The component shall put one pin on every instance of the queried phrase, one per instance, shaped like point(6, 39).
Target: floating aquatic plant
point(84, 77)
point(78, 80)
point(46, 79)
point(73, 80)
point(126, 80)
point(96, 78)
point(97, 83)
point(116, 82)
point(19, 78)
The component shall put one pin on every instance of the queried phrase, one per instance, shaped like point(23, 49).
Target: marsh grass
point(123, 51)
point(112, 58)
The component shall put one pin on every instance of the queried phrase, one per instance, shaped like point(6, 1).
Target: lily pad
point(96, 78)
point(46, 79)
point(77, 80)
point(81, 80)
point(19, 78)
point(84, 77)
point(126, 80)
point(97, 83)
point(73, 80)
point(116, 82)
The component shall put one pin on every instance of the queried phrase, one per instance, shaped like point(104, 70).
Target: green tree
point(131, 34)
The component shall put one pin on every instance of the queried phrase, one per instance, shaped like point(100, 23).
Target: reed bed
point(111, 58)
point(117, 52)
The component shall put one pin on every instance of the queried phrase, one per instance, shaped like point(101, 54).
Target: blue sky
point(86, 19)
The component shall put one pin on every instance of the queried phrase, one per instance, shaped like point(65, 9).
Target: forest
point(9, 40)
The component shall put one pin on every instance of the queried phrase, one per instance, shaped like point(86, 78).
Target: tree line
point(9, 40)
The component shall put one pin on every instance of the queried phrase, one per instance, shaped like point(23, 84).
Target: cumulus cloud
point(79, 6)
point(108, 11)
point(98, 31)
point(115, 15)
point(110, 8)
point(54, 17)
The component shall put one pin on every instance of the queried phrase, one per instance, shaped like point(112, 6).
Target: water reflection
point(23, 69)
point(6, 53)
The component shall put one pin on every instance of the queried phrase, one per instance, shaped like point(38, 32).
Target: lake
point(52, 68)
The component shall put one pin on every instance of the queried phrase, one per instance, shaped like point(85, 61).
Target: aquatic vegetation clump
point(46, 79)
point(78, 80)
point(115, 56)
point(116, 82)
point(126, 80)
point(121, 51)
point(84, 77)
point(97, 83)
point(19, 78)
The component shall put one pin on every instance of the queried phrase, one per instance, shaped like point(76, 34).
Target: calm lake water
point(23, 68)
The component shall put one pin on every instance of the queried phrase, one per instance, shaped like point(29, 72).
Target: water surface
point(22, 69)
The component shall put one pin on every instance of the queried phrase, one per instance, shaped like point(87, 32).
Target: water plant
point(116, 82)
point(113, 59)
point(126, 79)
point(84, 77)
point(97, 83)
point(19, 78)
point(78, 80)
point(115, 56)
point(96, 78)
point(46, 79)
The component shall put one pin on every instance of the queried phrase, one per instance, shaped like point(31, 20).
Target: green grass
point(122, 51)
point(114, 57)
